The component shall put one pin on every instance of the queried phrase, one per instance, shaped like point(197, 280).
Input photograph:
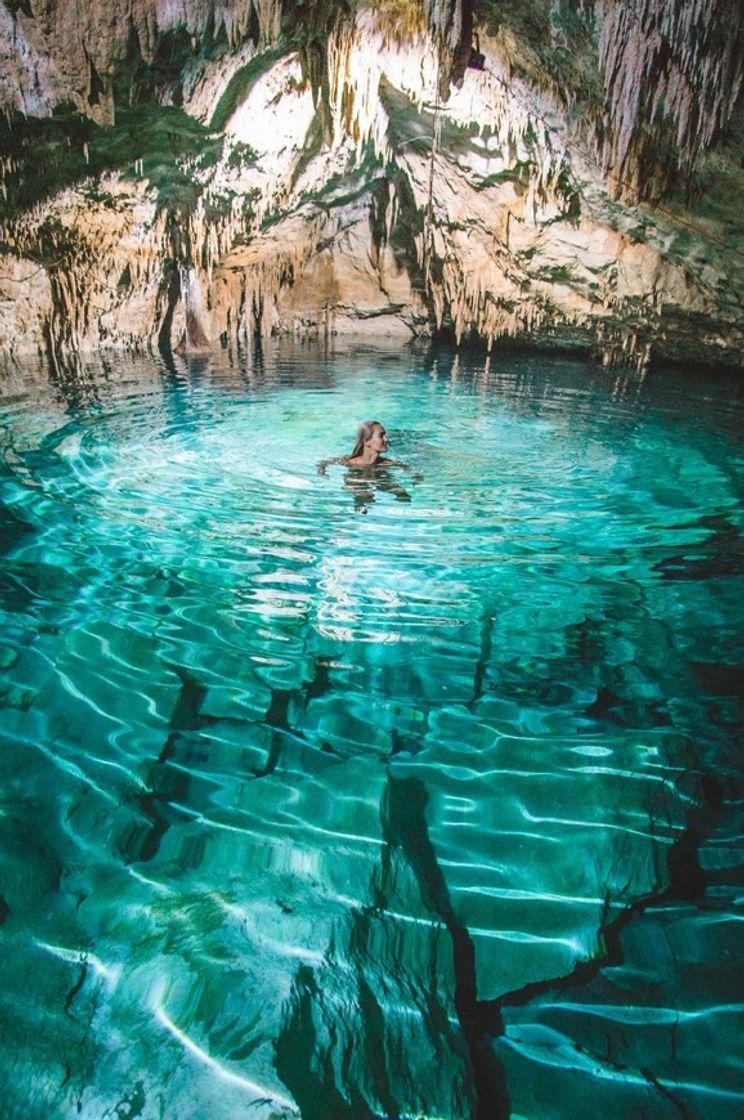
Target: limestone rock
point(367, 179)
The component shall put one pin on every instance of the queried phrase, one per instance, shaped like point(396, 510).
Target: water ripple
point(323, 794)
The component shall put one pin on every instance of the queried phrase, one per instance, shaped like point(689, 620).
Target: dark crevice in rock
point(305, 1066)
point(154, 804)
point(171, 288)
point(686, 883)
point(312, 24)
point(75, 987)
point(611, 708)
point(372, 1016)
point(186, 714)
point(278, 715)
point(585, 971)
point(277, 719)
point(484, 656)
point(16, 6)
point(664, 1092)
point(95, 85)
point(400, 742)
point(171, 784)
point(451, 23)
point(378, 214)
point(405, 827)
point(321, 682)
point(168, 784)
point(304, 1059)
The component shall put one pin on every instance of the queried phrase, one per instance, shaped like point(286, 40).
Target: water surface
point(404, 796)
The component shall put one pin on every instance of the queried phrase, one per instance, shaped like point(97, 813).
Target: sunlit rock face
point(193, 174)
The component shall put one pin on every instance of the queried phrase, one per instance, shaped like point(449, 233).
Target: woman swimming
point(369, 467)
point(371, 441)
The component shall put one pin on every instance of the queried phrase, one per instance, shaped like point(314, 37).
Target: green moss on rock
point(240, 84)
point(161, 144)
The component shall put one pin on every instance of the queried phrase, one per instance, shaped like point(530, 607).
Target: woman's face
point(378, 440)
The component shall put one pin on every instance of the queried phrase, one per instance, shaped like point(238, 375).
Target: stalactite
point(63, 40)
point(445, 18)
point(398, 23)
point(451, 24)
point(474, 283)
point(194, 338)
point(494, 243)
point(269, 19)
point(356, 58)
point(353, 79)
point(437, 35)
point(672, 74)
point(82, 247)
point(621, 347)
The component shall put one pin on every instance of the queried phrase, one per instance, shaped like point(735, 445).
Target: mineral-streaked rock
point(350, 196)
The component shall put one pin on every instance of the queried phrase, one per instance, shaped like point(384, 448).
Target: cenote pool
point(415, 797)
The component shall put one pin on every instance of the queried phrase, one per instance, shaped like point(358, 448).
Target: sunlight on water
point(410, 795)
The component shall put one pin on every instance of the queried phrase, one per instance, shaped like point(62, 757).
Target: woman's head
point(371, 433)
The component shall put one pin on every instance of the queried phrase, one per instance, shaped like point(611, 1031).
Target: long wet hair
point(365, 432)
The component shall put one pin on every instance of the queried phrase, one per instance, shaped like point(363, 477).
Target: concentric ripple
point(333, 795)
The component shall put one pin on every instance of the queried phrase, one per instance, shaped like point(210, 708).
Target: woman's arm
point(417, 476)
point(321, 468)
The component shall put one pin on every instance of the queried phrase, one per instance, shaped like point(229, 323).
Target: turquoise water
point(342, 797)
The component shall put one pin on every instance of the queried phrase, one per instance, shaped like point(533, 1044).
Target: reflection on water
point(364, 483)
point(430, 812)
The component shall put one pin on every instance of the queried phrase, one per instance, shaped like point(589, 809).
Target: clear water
point(410, 796)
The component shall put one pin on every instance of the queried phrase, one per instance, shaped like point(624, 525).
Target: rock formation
point(197, 173)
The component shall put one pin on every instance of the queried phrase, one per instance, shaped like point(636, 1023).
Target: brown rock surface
point(362, 201)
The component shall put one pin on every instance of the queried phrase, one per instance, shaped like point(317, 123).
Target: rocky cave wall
point(196, 173)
